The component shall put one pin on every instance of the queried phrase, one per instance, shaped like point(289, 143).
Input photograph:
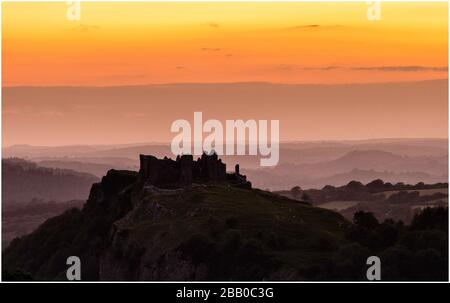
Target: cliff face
point(130, 229)
point(84, 233)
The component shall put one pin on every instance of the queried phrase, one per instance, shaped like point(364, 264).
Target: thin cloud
point(292, 67)
point(85, 28)
point(287, 67)
point(126, 76)
point(214, 25)
point(304, 26)
point(209, 49)
point(323, 68)
point(400, 68)
point(313, 26)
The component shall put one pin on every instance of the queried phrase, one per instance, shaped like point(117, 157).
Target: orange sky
point(140, 43)
point(119, 44)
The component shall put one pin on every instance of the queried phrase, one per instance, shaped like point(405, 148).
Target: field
point(338, 205)
point(422, 192)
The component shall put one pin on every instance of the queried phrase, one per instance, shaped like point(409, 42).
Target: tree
point(306, 198)
point(295, 191)
point(375, 185)
point(431, 218)
point(365, 219)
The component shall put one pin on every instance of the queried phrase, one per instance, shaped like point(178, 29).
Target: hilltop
point(161, 225)
point(210, 229)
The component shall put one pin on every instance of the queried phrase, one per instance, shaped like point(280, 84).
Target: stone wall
point(182, 171)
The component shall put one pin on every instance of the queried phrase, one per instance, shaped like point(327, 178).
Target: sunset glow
point(142, 43)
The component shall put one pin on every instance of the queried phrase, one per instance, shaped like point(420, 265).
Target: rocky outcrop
point(134, 225)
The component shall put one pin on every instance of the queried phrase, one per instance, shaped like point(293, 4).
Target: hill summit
point(180, 220)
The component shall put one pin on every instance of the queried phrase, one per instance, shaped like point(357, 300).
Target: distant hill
point(310, 164)
point(371, 159)
point(300, 152)
point(95, 166)
point(384, 161)
point(363, 165)
point(23, 181)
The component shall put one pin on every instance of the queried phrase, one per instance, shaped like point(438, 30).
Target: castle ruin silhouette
point(185, 171)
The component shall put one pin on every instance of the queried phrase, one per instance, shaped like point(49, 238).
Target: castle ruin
point(184, 171)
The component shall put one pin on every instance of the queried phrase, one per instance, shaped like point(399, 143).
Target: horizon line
point(280, 142)
point(221, 83)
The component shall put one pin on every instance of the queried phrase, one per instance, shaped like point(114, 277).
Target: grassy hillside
point(22, 219)
point(129, 231)
point(217, 231)
point(203, 220)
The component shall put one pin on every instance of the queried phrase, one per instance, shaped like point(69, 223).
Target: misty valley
point(143, 217)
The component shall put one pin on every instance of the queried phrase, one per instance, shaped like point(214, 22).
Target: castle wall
point(182, 171)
